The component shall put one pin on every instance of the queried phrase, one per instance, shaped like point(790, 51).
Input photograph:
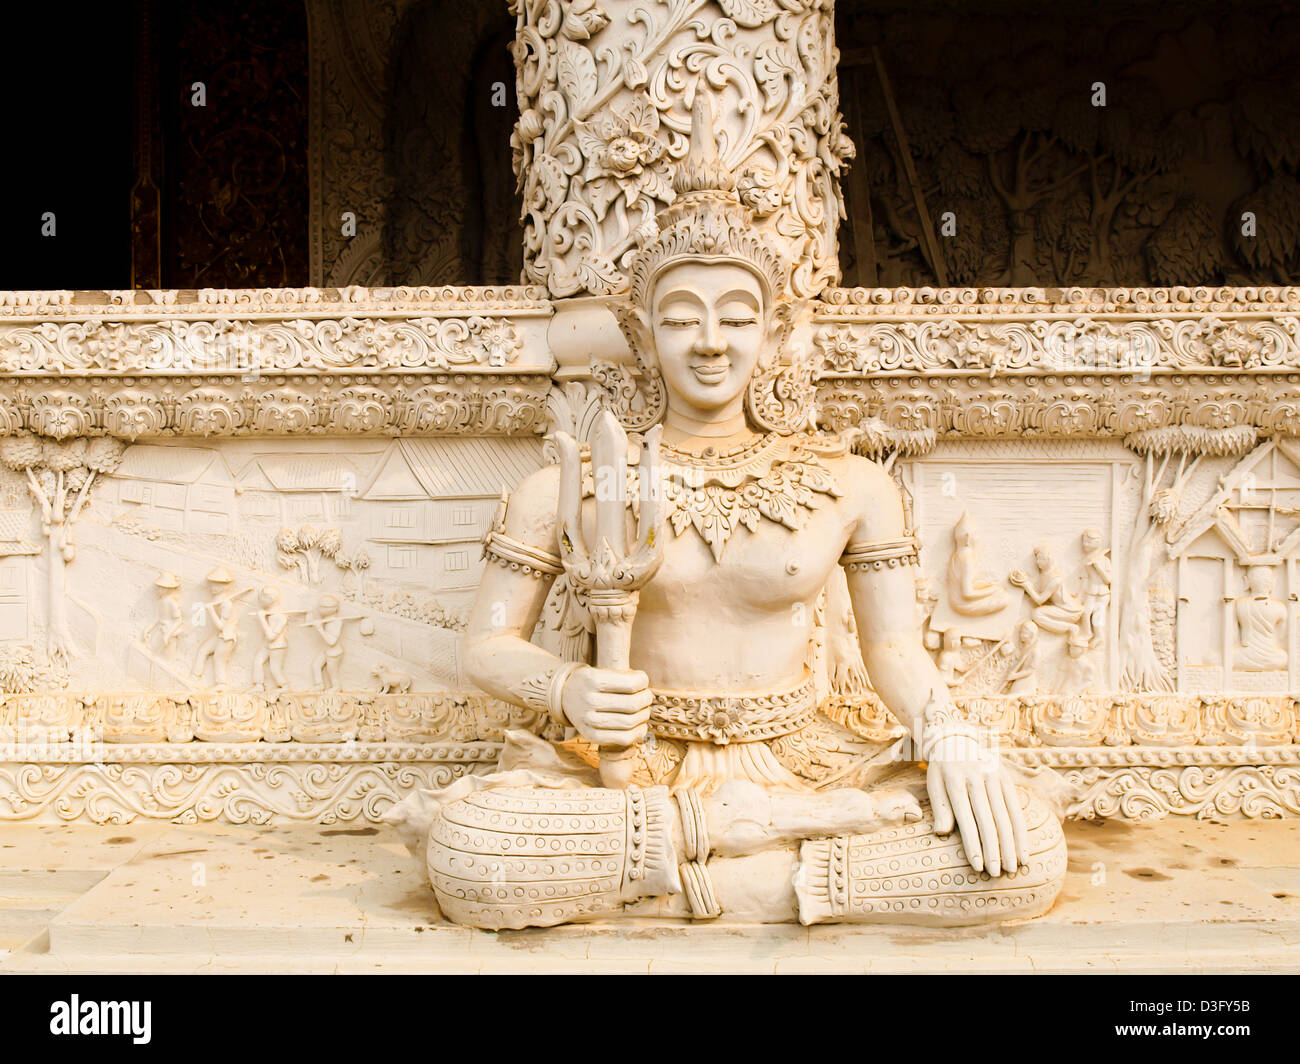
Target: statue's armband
point(516, 555)
point(879, 554)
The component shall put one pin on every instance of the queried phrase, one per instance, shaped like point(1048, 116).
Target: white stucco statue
point(702, 551)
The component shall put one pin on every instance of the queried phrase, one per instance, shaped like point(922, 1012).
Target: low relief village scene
point(243, 592)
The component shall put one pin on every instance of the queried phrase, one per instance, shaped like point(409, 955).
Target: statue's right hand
point(609, 707)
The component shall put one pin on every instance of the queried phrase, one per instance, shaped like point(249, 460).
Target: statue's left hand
point(970, 789)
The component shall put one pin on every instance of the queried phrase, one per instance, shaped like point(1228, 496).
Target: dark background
point(1202, 123)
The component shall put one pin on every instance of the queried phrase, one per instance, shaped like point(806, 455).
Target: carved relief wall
point(239, 534)
point(239, 527)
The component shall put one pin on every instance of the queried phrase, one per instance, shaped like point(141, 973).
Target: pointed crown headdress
point(706, 220)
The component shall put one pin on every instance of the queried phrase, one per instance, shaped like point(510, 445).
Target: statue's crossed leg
point(516, 857)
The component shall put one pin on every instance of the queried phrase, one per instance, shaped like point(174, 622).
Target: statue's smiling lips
point(711, 372)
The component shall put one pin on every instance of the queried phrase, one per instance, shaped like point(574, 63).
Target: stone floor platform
point(148, 897)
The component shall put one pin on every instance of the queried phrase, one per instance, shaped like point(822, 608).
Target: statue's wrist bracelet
point(555, 692)
point(942, 732)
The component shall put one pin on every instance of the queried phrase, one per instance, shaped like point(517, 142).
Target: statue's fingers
point(622, 683)
point(988, 828)
point(955, 785)
point(1006, 831)
point(939, 804)
point(1017, 812)
point(618, 719)
point(637, 703)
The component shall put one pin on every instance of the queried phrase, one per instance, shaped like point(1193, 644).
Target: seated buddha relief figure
point(742, 801)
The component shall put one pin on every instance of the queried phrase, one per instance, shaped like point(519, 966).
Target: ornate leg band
point(695, 870)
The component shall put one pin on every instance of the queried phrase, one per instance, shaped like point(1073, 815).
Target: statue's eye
point(740, 322)
point(679, 323)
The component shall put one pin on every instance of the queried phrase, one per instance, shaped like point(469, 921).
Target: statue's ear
point(635, 327)
point(779, 320)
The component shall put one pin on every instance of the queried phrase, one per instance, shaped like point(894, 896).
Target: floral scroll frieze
point(1155, 721)
point(1011, 363)
point(253, 346)
point(1246, 792)
point(1006, 332)
point(188, 792)
point(65, 721)
point(1051, 406)
point(1059, 344)
point(358, 361)
point(275, 405)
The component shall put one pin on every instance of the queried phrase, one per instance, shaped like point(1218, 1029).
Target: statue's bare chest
point(758, 530)
point(764, 568)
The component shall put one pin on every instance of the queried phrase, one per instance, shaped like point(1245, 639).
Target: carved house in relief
point(431, 500)
point(18, 553)
point(1236, 577)
point(189, 489)
point(293, 488)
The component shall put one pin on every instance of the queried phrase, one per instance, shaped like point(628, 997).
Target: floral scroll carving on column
point(605, 93)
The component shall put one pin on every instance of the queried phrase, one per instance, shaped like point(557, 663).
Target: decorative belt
point(723, 719)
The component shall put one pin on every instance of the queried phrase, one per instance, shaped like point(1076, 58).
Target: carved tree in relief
point(59, 475)
point(1154, 527)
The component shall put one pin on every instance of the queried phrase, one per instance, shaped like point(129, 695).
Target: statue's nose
point(710, 341)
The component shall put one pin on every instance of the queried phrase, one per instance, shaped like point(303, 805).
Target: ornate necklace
point(776, 478)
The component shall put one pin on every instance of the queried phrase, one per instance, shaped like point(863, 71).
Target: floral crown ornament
point(706, 222)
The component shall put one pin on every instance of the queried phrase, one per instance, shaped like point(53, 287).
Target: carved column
point(605, 93)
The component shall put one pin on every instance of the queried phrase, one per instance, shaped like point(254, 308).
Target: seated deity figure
point(970, 592)
point(742, 801)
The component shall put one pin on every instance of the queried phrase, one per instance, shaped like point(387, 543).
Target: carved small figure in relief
point(171, 617)
point(223, 611)
point(974, 610)
point(970, 592)
point(326, 669)
point(1094, 589)
point(1022, 660)
point(1006, 667)
point(1261, 624)
point(1079, 673)
point(274, 623)
point(1055, 609)
point(724, 815)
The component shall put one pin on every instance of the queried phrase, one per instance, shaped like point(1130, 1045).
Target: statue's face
point(709, 328)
